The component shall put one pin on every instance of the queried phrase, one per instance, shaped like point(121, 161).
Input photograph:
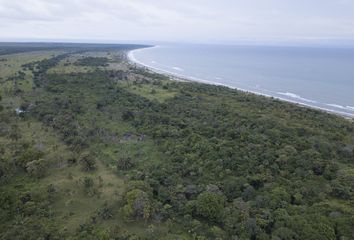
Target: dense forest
point(94, 147)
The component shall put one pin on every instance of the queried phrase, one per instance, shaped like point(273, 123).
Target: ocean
point(320, 77)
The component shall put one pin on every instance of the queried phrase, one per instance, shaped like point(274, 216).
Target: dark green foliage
point(210, 206)
point(36, 168)
point(89, 186)
point(29, 155)
point(93, 62)
point(11, 48)
point(87, 162)
point(138, 205)
point(124, 163)
point(106, 212)
point(217, 163)
point(1, 107)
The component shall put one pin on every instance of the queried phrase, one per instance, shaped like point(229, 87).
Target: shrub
point(124, 163)
point(88, 163)
point(210, 205)
point(36, 168)
point(138, 205)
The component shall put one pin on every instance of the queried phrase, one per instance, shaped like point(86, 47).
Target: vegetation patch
point(92, 62)
point(117, 152)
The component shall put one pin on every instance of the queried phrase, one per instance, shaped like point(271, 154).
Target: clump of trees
point(92, 62)
point(138, 203)
point(137, 206)
point(210, 206)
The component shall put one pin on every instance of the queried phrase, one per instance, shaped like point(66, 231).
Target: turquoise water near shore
point(313, 76)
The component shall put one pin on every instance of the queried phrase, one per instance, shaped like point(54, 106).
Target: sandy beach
point(182, 78)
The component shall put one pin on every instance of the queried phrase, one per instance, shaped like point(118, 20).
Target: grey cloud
point(188, 20)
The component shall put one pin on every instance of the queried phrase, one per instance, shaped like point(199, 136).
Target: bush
point(89, 186)
point(36, 168)
point(29, 155)
point(138, 205)
point(88, 163)
point(124, 163)
point(210, 205)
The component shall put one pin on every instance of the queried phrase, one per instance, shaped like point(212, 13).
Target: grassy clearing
point(14, 62)
point(10, 68)
point(150, 91)
point(74, 206)
point(67, 65)
point(144, 153)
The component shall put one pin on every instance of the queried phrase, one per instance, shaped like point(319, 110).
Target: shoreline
point(182, 78)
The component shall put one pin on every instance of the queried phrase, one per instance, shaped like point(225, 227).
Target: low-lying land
point(93, 147)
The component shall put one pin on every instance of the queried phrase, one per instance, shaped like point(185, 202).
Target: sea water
point(321, 77)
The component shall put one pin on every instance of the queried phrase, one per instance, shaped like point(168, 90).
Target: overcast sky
point(177, 20)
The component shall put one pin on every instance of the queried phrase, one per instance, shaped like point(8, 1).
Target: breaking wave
point(348, 108)
point(295, 96)
point(178, 69)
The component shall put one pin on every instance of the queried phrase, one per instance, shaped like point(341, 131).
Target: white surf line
point(293, 95)
point(178, 69)
point(190, 78)
point(336, 106)
point(348, 108)
point(133, 59)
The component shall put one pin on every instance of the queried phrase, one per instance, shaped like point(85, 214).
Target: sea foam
point(247, 76)
point(348, 108)
point(336, 106)
point(178, 69)
point(295, 96)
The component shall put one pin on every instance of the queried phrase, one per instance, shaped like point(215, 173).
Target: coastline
point(182, 78)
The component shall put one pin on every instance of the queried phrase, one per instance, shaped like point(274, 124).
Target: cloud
point(134, 10)
point(171, 20)
point(32, 10)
